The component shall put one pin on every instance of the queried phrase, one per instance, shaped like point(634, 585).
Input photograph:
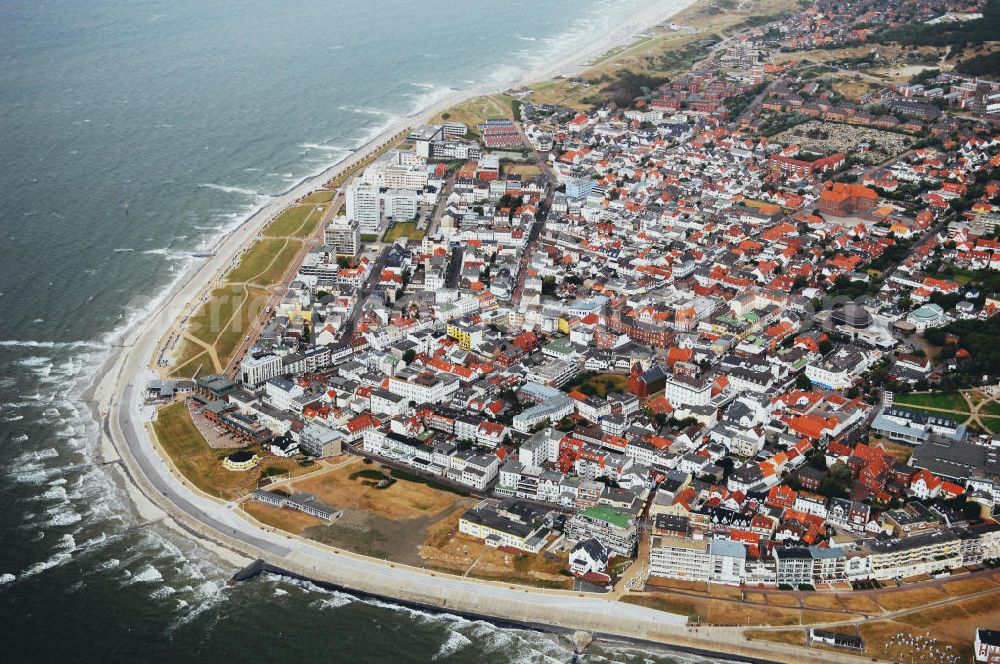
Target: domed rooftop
point(852, 315)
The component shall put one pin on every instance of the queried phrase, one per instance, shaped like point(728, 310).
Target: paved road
point(151, 464)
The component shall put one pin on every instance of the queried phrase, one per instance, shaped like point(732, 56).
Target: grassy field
point(407, 229)
point(318, 197)
point(904, 599)
point(255, 260)
point(524, 170)
point(402, 500)
point(208, 321)
point(602, 384)
point(299, 221)
point(991, 409)
point(992, 424)
point(473, 112)
point(281, 518)
point(279, 264)
point(230, 338)
point(199, 463)
point(942, 400)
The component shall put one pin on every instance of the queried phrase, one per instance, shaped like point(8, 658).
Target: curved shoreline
point(160, 494)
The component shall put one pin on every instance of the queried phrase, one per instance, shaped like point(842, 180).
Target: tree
point(409, 355)
point(549, 285)
point(802, 382)
point(837, 482)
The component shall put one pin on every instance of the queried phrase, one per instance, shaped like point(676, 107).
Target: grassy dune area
point(225, 318)
point(659, 54)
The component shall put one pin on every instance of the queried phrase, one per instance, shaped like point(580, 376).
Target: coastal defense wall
point(552, 611)
point(616, 622)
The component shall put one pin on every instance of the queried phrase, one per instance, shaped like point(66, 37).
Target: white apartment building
point(399, 170)
point(915, 555)
point(839, 370)
point(280, 393)
point(682, 390)
point(422, 388)
point(399, 204)
point(343, 234)
point(364, 206)
point(728, 560)
point(680, 558)
point(255, 371)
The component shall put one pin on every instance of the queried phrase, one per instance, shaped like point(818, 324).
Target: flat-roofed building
point(673, 557)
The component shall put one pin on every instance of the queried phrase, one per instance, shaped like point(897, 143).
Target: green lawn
point(229, 339)
point(293, 221)
point(407, 229)
point(279, 266)
point(992, 424)
point(992, 409)
point(255, 260)
point(318, 197)
point(600, 384)
point(944, 400)
point(191, 454)
point(215, 313)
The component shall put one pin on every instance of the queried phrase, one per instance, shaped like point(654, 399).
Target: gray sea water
point(191, 114)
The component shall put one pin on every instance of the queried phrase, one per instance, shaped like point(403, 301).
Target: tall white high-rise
point(363, 205)
point(343, 234)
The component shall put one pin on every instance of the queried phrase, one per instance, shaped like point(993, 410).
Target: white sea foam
point(162, 592)
point(110, 563)
point(335, 601)
point(169, 254)
point(55, 493)
point(55, 560)
point(64, 517)
point(147, 574)
point(364, 110)
point(28, 343)
point(324, 147)
point(208, 595)
point(230, 190)
point(7, 578)
point(452, 645)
